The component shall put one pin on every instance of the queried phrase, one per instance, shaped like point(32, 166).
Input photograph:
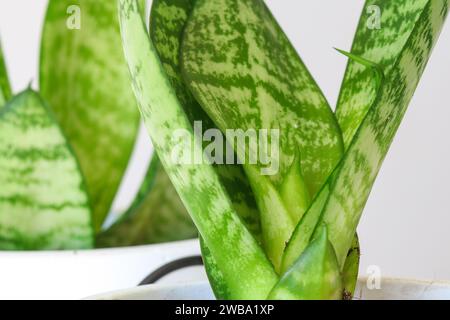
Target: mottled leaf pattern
point(362, 162)
point(5, 90)
point(167, 23)
point(43, 200)
point(351, 185)
point(157, 215)
point(243, 264)
point(381, 46)
point(85, 79)
point(245, 73)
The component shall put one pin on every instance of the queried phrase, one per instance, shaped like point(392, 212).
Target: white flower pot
point(391, 289)
point(78, 274)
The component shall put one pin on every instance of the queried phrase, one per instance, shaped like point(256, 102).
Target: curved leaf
point(85, 79)
point(247, 76)
point(380, 45)
point(43, 200)
point(350, 186)
point(216, 279)
point(251, 275)
point(362, 162)
point(167, 22)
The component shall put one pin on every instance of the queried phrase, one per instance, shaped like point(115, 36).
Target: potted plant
point(281, 223)
point(64, 152)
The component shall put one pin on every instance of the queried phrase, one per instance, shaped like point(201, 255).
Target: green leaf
point(350, 186)
point(5, 89)
point(304, 230)
point(315, 275)
point(167, 23)
point(362, 162)
point(247, 76)
point(351, 269)
point(157, 215)
point(382, 47)
point(43, 200)
point(296, 205)
point(216, 279)
point(85, 79)
point(251, 275)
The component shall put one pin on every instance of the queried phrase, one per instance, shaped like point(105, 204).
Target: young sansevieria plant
point(62, 160)
point(228, 64)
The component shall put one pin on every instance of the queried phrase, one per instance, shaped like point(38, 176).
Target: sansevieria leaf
point(247, 76)
point(243, 264)
point(157, 215)
point(85, 79)
point(5, 90)
point(350, 186)
point(167, 23)
point(43, 200)
point(315, 276)
point(362, 162)
point(382, 33)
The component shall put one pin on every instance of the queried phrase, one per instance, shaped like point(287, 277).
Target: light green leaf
point(350, 186)
point(299, 204)
point(315, 275)
point(85, 79)
point(396, 21)
point(216, 279)
point(5, 89)
point(43, 200)
point(243, 264)
point(362, 162)
point(247, 76)
point(167, 22)
point(351, 269)
point(157, 215)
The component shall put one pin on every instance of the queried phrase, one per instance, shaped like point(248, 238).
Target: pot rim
point(154, 288)
point(399, 280)
point(96, 251)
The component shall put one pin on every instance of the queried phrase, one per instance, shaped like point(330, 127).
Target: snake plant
point(65, 150)
point(228, 64)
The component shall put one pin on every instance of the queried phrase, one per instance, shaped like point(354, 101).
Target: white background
point(405, 229)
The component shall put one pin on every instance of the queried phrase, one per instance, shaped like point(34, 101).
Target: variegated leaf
point(43, 200)
point(85, 79)
point(368, 149)
point(246, 75)
point(167, 23)
point(314, 276)
point(243, 264)
point(382, 33)
point(351, 185)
